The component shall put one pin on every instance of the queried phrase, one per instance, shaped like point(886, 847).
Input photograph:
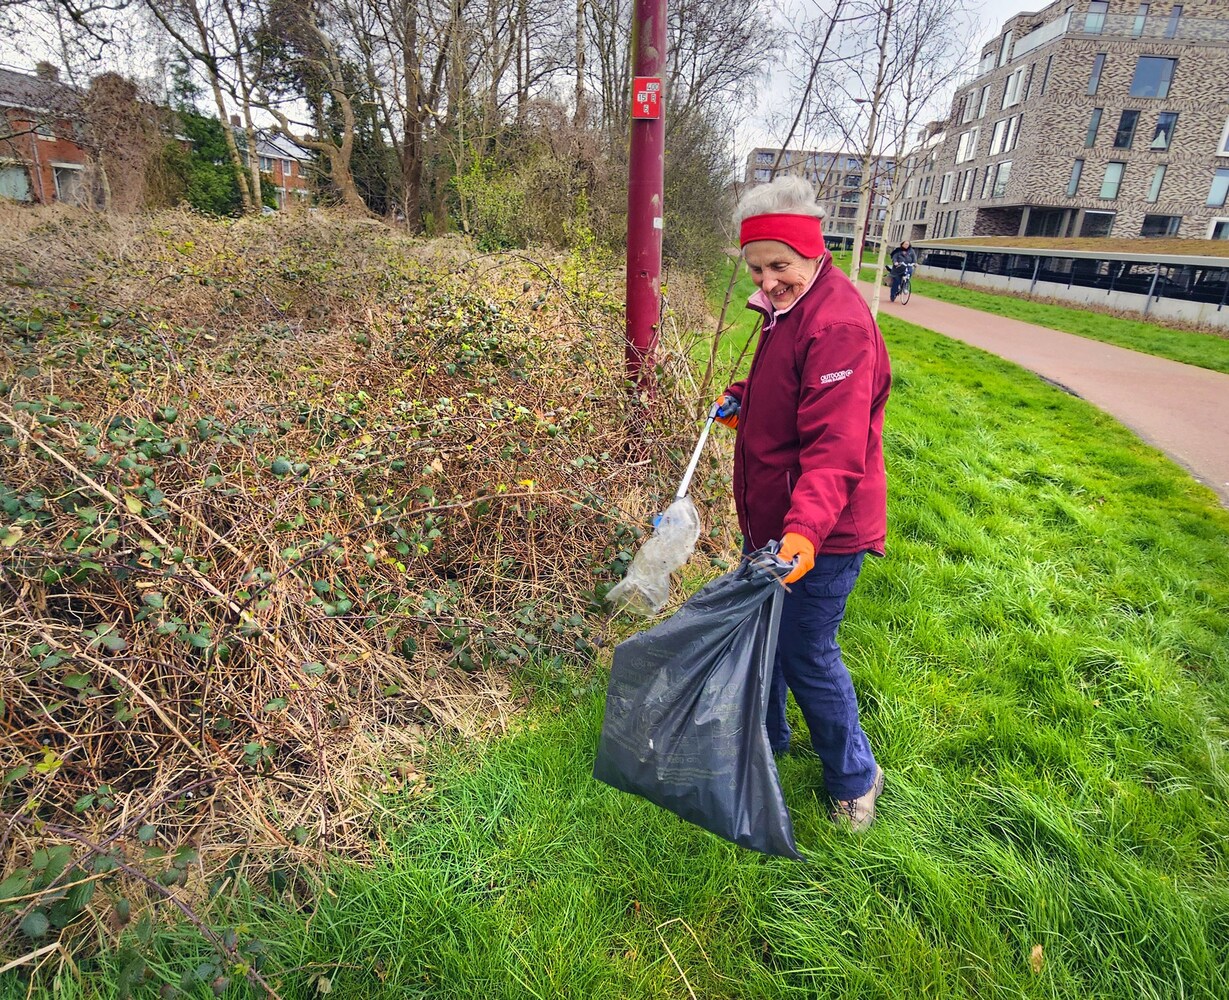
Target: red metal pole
point(646, 180)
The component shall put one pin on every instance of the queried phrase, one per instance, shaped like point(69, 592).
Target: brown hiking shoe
point(859, 812)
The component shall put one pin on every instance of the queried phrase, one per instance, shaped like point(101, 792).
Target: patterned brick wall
point(1051, 133)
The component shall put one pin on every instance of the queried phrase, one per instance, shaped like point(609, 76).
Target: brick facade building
point(837, 177)
point(1089, 118)
point(40, 157)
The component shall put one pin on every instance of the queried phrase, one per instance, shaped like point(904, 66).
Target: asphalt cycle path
point(1180, 409)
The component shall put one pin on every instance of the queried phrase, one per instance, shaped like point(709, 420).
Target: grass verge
point(1043, 670)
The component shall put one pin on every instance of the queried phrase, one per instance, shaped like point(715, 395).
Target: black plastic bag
point(685, 710)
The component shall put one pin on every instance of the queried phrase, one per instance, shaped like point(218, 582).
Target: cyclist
point(904, 257)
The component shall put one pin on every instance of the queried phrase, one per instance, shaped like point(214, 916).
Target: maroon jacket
point(808, 457)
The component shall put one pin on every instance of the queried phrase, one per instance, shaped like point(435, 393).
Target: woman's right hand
point(727, 409)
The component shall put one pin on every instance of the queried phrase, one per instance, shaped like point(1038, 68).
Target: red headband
point(801, 232)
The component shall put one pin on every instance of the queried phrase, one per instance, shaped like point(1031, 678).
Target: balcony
point(1119, 27)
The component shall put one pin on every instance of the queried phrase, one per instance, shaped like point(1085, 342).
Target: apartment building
point(837, 177)
point(917, 177)
point(1091, 118)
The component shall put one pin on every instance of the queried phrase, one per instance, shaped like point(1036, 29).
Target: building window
point(763, 174)
point(15, 182)
point(1097, 224)
point(1160, 225)
point(985, 99)
point(1220, 188)
point(287, 167)
point(1094, 123)
point(68, 186)
point(1141, 18)
point(266, 164)
point(1158, 178)
point(945, 189)
point(1219, 229)
point(1098, 64)
point(1094, 20)
point(1012, 93)
point(1013, 133)
point(1223, 148)
point(1171, 26)
point(998, 137)
point(966, 148)
point(1166, 122)
point(1073, 185)
point(44, 131)
point(1005, 49)
point(1113, 179)
point(970, 179)
point(1045, 77)
point(987, 183)
point(1126, 130)
point(1002, 175)
point(1153, 76)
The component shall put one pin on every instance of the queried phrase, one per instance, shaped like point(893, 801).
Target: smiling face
point(779, 270)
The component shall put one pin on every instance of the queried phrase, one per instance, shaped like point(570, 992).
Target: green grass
point(1044, 672)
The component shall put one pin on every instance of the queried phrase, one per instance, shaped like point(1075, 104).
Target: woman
point(808, 470)
point(903, 257)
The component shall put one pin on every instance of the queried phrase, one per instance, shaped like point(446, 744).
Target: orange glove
point(798, 550)
point(727, 410)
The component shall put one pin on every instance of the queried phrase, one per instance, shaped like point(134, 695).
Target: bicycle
point(902, 296)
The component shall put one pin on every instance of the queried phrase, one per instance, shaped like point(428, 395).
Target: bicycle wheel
point(903, 297)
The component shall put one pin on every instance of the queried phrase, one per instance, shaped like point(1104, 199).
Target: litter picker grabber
point(646, 587)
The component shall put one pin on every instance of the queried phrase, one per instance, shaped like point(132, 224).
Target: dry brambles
point(280, 497)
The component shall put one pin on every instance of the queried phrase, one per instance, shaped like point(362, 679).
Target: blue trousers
point(809, 663)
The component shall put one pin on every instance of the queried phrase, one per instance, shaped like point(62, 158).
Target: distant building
point(41, 159)
point(1092, 118)
point(837, 177)
point(917, 177)
point(288, 163)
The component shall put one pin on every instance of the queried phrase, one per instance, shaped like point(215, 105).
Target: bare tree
point(934, 39)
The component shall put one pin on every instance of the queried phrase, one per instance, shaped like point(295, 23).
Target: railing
point(1161, 28)
point(1039, 36)
point(1158, 28)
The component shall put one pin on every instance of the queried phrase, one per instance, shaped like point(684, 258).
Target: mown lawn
point(1043, 668)
point(1044, 672)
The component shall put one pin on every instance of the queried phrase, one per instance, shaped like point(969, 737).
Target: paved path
point(1180, 409)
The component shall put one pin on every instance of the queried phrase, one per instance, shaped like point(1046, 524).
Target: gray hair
point(790, 194)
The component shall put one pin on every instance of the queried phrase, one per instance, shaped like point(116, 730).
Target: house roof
point(33, 93)
point(278, 146)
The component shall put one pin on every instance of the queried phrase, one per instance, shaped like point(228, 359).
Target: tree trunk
point(578, 118)
point(867, 187)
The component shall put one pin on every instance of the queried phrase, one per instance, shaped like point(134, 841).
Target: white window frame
point(970, 107)
point(1157, 182)
point(1013, 133)
point(945, 188)
point(1011, 90)
point(985, 99)
point(1000, 181)
point(1117, 182)
point(1217, 221)
point(1223, 148)
point(966, 147)
point(76, 168)
point(998, 137)
point(987, 183)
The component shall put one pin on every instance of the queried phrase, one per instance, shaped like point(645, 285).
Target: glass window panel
point(1001, 176)
point(1220, 188)
point(1094, 123)
point(1223, 148)
point(1141, 18)
point(1045, 79)
point(1166, 121)
point(1094, 20)
point(1158, 178)
point(1161, 225)
point(1220, 230)
point(1097, 224)
point(1094, 80)
point(1073, 185)
point(1126, 130)
point(1153, 76)
point(1175, 15)
point(1112, 180)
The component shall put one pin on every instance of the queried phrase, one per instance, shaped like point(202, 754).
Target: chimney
point(234, 120)
point(47, 71)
